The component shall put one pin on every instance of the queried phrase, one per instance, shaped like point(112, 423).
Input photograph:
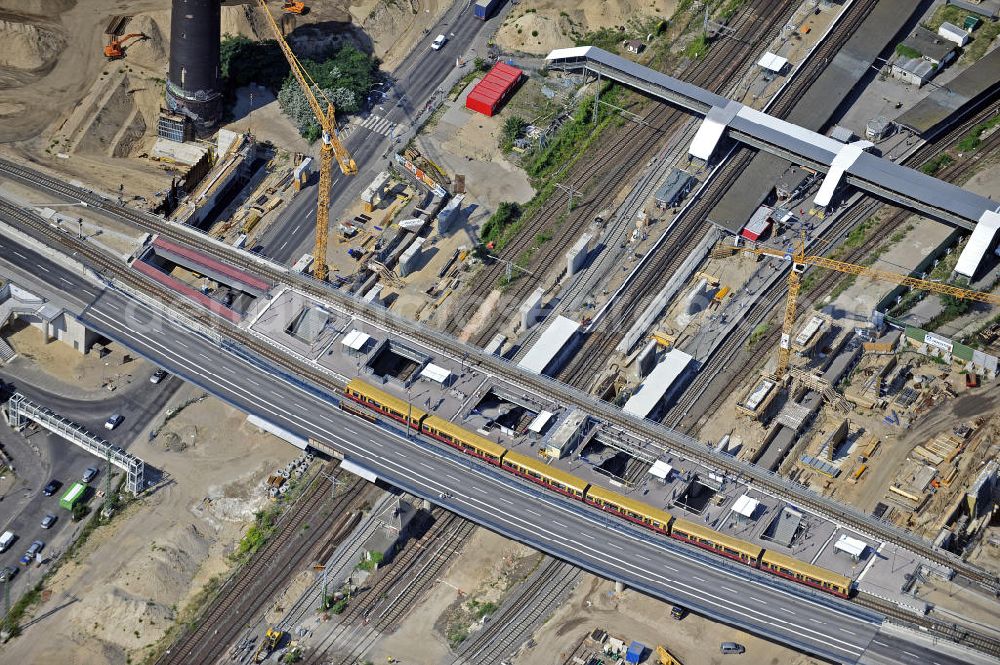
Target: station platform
point(843, 163)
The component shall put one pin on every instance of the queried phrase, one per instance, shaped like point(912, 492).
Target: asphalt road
point(562, 527)
point(415, 80)
point(706, 584)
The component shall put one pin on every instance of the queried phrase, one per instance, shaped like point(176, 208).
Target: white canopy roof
point(660, 469)
point(851, 546)
point(540, 421)
point(772, 62)
point(745, 506)
point(435, 373)
point(355, 340)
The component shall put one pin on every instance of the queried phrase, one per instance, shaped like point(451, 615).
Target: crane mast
point(799, 262)
point(332, 147)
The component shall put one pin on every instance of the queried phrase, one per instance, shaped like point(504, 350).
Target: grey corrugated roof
point(981, 77)
point(810, 145)
point(921, 187)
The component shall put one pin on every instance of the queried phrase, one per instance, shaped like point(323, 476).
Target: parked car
point(8, 573)
point(678, 612)
point(732, 647)
point(438, 42)
point(158, 376)
point(89, 473)
point(113, 421)
point(6, 540)
point(48, 520)
point(29, 556)
point(52, 487)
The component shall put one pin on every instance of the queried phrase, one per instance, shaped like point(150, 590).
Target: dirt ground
point(132, 577)
point(538, 26)
point(633, 616)
point(484, 560)
point(64, 106)
point(85, 375)
point(593, 605)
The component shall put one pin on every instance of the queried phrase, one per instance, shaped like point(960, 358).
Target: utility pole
point(571, 191)
point(107, 486)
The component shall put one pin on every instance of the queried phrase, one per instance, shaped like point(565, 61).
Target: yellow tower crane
point(799, 262)
point(332, 147)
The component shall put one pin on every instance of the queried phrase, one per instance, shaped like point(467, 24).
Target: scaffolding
point(21, 411)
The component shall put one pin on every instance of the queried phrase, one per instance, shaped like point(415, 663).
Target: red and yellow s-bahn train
point(569, 485)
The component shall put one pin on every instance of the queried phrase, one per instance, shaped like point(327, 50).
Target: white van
point(6, 540)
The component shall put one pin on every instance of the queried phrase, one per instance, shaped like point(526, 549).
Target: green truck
point(73, 496)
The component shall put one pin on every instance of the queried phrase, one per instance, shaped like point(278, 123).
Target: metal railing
point(21, 410)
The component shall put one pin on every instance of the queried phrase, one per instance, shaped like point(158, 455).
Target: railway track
point(732, 352)
point(931, 626)
point(663, 440)
point(507, 629)
point(599, 346)
point(600, 173)
point(244, 595)
point(377, 608)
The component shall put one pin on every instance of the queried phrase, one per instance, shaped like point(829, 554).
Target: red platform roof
point(183, 289)
point(495, 87)
point(199, 259)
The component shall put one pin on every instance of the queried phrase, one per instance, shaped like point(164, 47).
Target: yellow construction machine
point(267, 646)
point(292, 7)
point(665, 657)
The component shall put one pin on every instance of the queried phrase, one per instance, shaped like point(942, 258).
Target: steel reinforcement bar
point(656, 435)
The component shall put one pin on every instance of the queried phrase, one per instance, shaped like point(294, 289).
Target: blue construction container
point(483, 9)
point(634, 653)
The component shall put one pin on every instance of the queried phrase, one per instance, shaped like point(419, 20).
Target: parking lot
point(39, 457)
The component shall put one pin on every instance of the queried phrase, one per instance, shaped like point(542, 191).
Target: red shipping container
point(487, 96)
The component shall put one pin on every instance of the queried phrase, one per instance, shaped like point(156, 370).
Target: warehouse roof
point(979, 79)
point(874, 174)
point(658, 384)
point(549, 345)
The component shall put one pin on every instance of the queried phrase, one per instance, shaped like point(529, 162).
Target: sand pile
point(557, 25)
point(150, 52)
point(48, 8)
point(29, 47)
point(536, 33)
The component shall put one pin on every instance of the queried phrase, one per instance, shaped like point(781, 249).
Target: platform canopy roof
point(355, 340)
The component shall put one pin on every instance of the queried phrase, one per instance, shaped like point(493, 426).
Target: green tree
point(243, 61)
point(512, 129)
point(954, 306)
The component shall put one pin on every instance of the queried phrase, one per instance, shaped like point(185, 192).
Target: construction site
point(500, 332)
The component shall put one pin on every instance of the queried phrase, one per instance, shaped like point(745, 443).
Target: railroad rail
point(732, 352)
point(512, 624)
point(250, 588)
point(690, 230)
point(628, 151)
point(373, 610)
point(659, 439)
point(934, 627)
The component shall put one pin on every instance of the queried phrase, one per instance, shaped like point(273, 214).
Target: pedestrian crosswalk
point(379, 125)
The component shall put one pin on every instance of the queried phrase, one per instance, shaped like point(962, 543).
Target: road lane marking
point(616, 546)
point(529, 510)
point(65, 281)
point(488, 477)
point(815, 620)
point(376, 443)
point(881, 644)
point(700, 579)
point(849, 632)
point(910, 654)
point(426, 466)
point(348, 429)
point(757, 600)
point(725, 588)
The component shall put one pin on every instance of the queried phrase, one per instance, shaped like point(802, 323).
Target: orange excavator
point(293, 7)
point(116, 45)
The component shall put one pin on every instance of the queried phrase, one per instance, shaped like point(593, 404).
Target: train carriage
point(710, 539)
point(379, 400)
point(537, 471)
point(806, 573)
point(463, 439)
point(630, 509)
